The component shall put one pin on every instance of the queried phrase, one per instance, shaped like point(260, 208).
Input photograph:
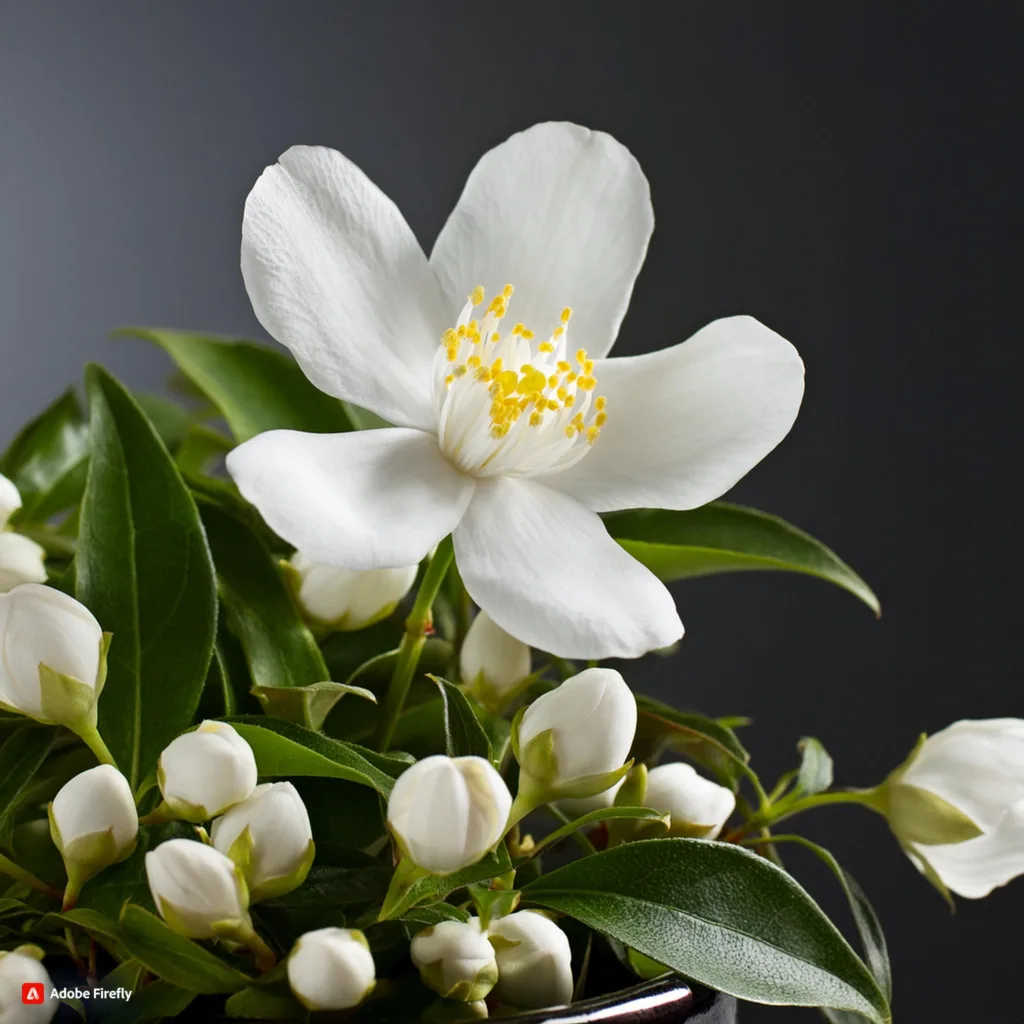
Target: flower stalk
point(413, 639)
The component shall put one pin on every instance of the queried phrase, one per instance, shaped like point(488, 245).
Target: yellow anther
point(562, 394)
point(577, 420)
point(546, 346)
point(473, 361)
point(570, 378)
point(495, 336)
point(478, 295)
point(569, 401)
point(518, 329)
point(570, 432)
point(566, 314)
point(448, 380)
point(587, 383)
point(581, 356)
point(588, 367)
point(452, 353)
point(497, 306)
point(496, 366)
point(552, 405)
point(461, 370)
point(553, 381)
point(592, 434)
point(563, 366)
point(528, 335)
point(559, 331)
point(600, 403)
point(536, 419)
point(448, 337)
point(600, 419)
point(531, 382)
point(507, 291)
point(507, 381)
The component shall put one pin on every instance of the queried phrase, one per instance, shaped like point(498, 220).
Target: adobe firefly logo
point(32, 993)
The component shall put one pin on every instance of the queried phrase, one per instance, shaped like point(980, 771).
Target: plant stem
point(788, 809)
point(265, 957)
point(92, 739)
point(413, 639)
point(19, 874)
point(76, 957)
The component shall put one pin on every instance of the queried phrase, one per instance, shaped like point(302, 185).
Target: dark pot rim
point(661, 1001)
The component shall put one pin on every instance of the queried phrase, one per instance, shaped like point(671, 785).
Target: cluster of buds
point(22, 560)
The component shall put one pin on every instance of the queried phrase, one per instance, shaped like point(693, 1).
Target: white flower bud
point(21, 561)
point(447, 813)
point(965, 783)
point(331, 969)
point(203, 773)
point(697, 806)
point(10, 500)
point(493, 663)
point(572, 740)
point(278, 853)
point(93, 822)
point(52, 656)
point(18, 969)
point(347, 599)
point(196, 888)
point(534, 961)
point(456, 960)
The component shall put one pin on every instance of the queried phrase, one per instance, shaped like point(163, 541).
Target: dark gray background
point(848, 173)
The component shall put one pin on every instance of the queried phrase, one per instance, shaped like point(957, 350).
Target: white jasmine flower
point(456, 960)
point(510, 436)
point(20, 968)
point(493, 663)
point(331, 969)
point(697, 806)
point(534, 961)
point(21, 560)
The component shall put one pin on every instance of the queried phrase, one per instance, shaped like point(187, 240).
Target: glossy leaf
point(720, 915)
point(464, 735)
point(170, 420)
point(254, 387)
point(144, 570)
point(594, 818)
point(174, 958)
point(21, 756)
point(815, 767)
point(728, 538)
point(259, 1004)
point(284, 749)
point(157, 1001)
point(49, 459)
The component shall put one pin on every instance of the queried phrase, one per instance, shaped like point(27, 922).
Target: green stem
point(265, 956)
point(19, 874)
point(90, 736)
point(413, 639)
point(76, 957)
point(788, 809)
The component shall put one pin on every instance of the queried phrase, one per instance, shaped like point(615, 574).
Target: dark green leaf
point(284, 749)
point(157, 1001)
point(702, 739)
point(102, 928)
point(48, 460)
point(144, 570)
point(435, 913)
point(170, 420)
point(259, 1004)
point(337, 887)
point(174, 958)
point(256, 388)
point(278, 646)
point(815, 767)
point(464, 735)
point(720, 915)
point(200, 447)
point(593, 818)
point(726, 538)
point(20, 758)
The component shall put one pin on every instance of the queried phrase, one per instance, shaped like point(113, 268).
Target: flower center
point(511, 405)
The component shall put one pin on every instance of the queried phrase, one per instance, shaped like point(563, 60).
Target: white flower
point(977, 767)
point(280, 838)
point(44, 631)
point(534, 961)
point(20, 968)
point(10, 500)
point(348, 599)
point(447, 813)
point(93, 822)
point(492, 663)
point(456, 960)
point(578, 732)
point(517, 459)
point(21, 560)
point(331, 969)
point(203, 773)
point(196, 887)
point(697, 806)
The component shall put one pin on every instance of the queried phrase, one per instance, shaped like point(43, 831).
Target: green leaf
point(157, 1001)
point(255, 388)
point(284, 749)
point(593, 818)
point(435, 913)
point(200, 447)
point(717, 914)
point(170, 420)
point(259, 1004)
point(728, 538)
point(306, 705)
point(464, 735)
point(815, 767)
point(20, 758)
point(336, 887)
point(48, 460)
point(102, 928)
point(174, 958)
point(279, 648)
point(144, 570)
point(702, 739)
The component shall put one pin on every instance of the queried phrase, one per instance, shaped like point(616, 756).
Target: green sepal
point(445, 1011)
point(632, 793)
point(920, 816)
point(88, 855)
point(275, 887)
point(497, 703)
point(66, 701)
point(534, 793)
point(306, 705)
point(240, 852)
point(491, 902)
point(462, 991)
point(405, 876)
point(32, 951)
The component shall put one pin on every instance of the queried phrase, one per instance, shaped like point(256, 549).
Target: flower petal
point(545, 570)
point(335, 274)
point(562, 213)
point(21, 561)
point(684, 424)
point(974, 868)
point(372, 499)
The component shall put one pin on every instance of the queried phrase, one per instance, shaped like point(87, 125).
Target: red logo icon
point(32, 993)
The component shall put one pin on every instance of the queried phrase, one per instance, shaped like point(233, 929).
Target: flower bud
point(10, 500)
point(448, 812)
point(331, 969)
point(269, 837)
point(456, 960)
point(698, 807)
point(347, 599)
point(957, 805)
point(19, 969)
point(198, 891)
point(203, 773)
point(572, 742)
point(493, 664)
point(21, 561)
point(93, 823)
point(534, 961)
point(52, 657)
